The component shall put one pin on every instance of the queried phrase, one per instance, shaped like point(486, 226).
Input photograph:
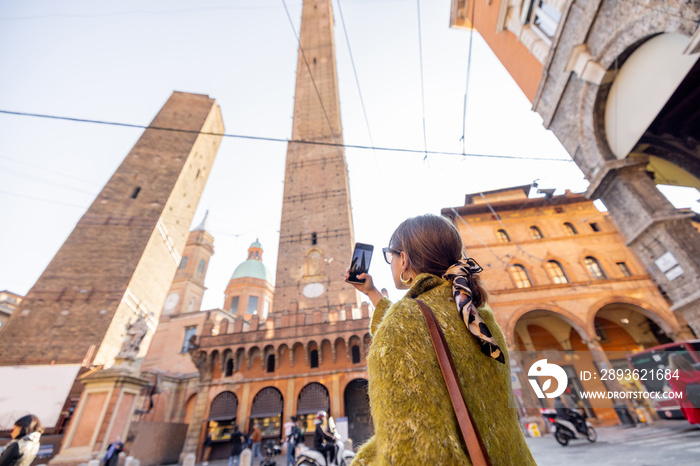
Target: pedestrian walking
point(291, 436)
point(414, 420)
point(238, 441)
point(24, 445)
point(256, 438)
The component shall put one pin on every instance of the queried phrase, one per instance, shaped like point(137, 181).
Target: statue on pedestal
point(135, 333)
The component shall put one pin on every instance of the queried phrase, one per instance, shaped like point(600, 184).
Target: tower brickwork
point(316, 232)
point(119, 261)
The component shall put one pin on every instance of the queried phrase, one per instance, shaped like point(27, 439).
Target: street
point(663, 443)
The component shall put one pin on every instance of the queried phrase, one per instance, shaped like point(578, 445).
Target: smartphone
point(361, 258)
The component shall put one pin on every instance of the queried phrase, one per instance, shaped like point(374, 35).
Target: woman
point(414, 421)
point(24, 446)
point(687, 375)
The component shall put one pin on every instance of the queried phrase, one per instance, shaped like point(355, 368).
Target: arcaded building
point(617, 83)
point(563, 285)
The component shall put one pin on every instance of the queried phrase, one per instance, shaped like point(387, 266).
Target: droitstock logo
point(542, 368)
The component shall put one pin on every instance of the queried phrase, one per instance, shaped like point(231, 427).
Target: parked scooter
point(306, 456)
point(569, 429)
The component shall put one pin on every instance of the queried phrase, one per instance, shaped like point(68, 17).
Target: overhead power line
point(272, 139)
point(422, 85)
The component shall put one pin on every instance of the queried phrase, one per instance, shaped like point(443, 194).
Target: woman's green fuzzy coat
point(414, 421)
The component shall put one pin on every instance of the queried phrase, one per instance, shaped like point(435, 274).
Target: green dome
point(252, 268)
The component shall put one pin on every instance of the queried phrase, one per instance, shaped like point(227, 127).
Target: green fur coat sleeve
point(413, 418)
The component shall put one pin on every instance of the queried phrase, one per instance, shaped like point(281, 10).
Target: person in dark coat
point(322, 441)
point(238, 441)
point(24, 446)
point(112, 455)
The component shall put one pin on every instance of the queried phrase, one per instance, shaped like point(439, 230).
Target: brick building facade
point(563, 285)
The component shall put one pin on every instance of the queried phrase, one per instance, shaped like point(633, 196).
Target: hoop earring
point(406, 281)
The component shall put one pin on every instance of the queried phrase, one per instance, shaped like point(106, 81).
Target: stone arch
point(573, 321)
point(594, 149)
point(241, 359)
point(215, 362)
point(312, 398)
point(224, 407)
point(312, 346)
point(666, 322)
point(354, 340)
point(225, 357)
point(189, 409)
point(267, 352)
point(253, 352)
point(356, 402)
point(298, 353)
point(339, 348)
point(268, 403)
point(282, 351)
point(326, 350)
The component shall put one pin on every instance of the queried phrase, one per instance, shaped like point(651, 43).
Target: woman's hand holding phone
point(366, 288)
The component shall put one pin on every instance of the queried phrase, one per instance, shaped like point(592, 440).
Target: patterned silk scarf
point(458, 274)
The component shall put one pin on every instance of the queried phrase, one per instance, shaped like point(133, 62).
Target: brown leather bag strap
point(477, 451)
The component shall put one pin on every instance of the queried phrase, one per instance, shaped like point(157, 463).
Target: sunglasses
point(389, 254)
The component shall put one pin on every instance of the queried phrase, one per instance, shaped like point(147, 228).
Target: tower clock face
point(171, 302)
point(314, 290)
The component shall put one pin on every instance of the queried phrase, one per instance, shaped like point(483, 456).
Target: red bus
point(656, 358)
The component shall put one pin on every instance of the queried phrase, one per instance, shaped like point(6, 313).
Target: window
point(624, 269)
point(535, 233)
point(314, 358)
point(556, 272)
point(519, 276)
point(136, 192)
point(355, 354)
point(200, 267)
point(252, 305)
point(192, 303)
point(314, 238)
point(271, 363)
point(189, 333)
point(229, 368)
point(570, 229)
point(594, 268)
point(183, 263)
point(502, 236)
point(234, 305)
point(595, 227)
point(543, 17)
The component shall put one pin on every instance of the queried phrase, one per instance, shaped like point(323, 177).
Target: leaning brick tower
point(316, 231)
point(120, 259)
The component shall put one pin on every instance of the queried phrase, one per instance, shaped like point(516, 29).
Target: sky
point(120, 61)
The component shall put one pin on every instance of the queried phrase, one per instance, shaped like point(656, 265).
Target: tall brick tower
point(119, 261)
point(316, 231)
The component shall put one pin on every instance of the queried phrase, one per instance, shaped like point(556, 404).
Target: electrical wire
point(354, 70)
point(39, 167)
point(272, 139)
point(466, 90)
point(422, 85)
point(313, 81)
